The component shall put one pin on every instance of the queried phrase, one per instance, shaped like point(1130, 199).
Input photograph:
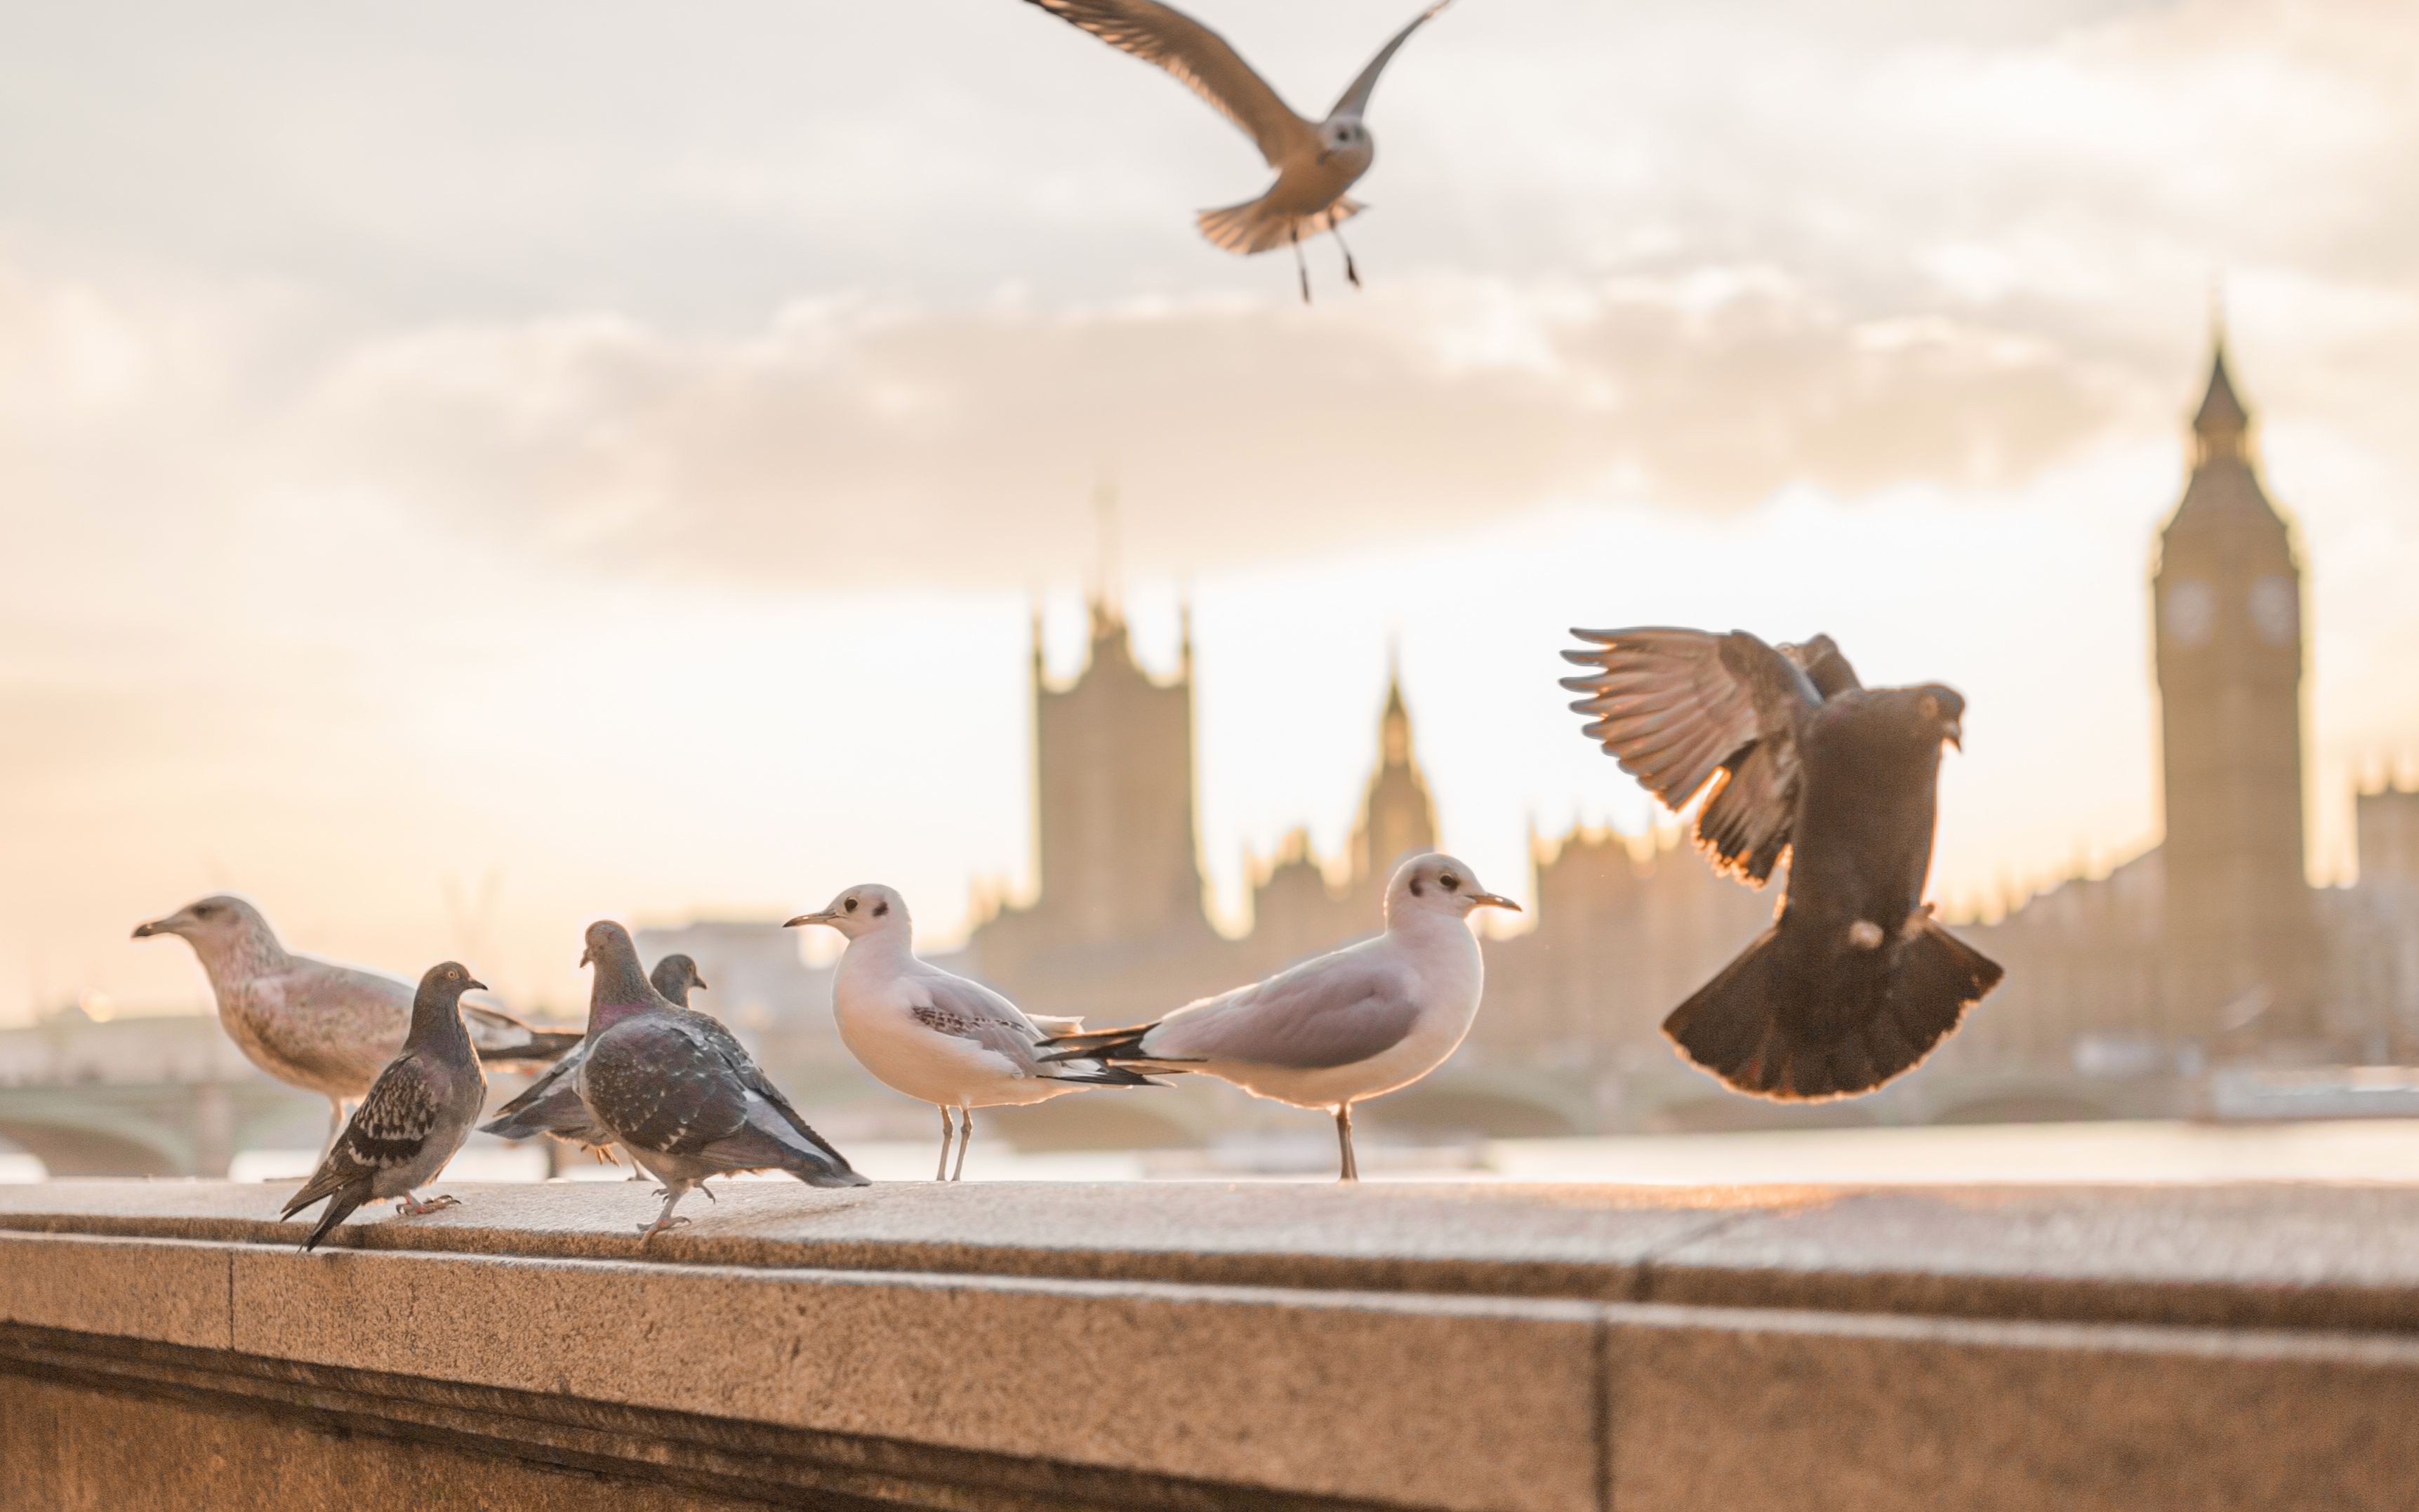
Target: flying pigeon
point(312, 1023)
point(1854, 983)
point(1341, 1029)
point(679, 1092)
point(416, 1116)
point(551, 1106)
point(1315, 160)
point(936, 1037)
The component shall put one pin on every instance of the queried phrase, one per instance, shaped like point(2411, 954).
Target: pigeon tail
point(340, 1205)
point(753, 1148)
point(1744, 1025)
point(1256, 225)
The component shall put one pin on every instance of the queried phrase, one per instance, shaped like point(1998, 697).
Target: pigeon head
point(676, 977)
point(620, 986)
point(1939, 713)
point(1435, 883)
point(437, 1010)
point(870, 908)
point(447, 980)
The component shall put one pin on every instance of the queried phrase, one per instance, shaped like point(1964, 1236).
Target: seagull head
point(1940, 713)
point(1438, 884)
point(219, 921)
point(1344, 137)
point(869, 908)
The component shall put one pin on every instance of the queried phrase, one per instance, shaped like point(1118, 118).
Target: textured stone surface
point(167, 1290)
point(1714, 1407)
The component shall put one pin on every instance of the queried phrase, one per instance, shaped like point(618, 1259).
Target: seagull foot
point(651, 1231)
point(410, 1209)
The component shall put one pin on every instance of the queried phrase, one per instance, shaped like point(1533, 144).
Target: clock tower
point(2240, 942)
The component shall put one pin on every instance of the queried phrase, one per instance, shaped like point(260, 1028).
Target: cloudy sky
point(469, 467)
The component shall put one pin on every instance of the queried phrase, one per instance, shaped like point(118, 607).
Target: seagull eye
point(880, 909)
point(1449, 881)
point(850, 905)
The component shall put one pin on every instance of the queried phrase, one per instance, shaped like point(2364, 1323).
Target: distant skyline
point(613, 452)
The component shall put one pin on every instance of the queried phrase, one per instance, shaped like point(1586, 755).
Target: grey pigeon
point(1854, 983)
point(551, 1106)
point(315, 1025)
point(679, 1092)
point(1343, 1027)
point(416, 1116)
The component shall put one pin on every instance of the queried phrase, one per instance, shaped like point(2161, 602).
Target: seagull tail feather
point(1256, 226)
point(1747, 1026)
point(541, 1045)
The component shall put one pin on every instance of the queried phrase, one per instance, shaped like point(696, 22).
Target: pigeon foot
point(651, 1231)
point(410, 1207)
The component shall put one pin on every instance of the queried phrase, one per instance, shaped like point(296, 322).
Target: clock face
point(2275, 610)
point(2190, 612)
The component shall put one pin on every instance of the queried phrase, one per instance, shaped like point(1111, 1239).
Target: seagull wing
point(1680, 709)
point(1356, 98)
point(953, 1006)
point(1201, 59)
point(1336, 1010)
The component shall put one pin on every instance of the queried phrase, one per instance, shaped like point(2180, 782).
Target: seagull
point(679, 1092)
point(1339, 1029)
point(1315, 160)
point(312, 1023)
point(416, 1116)
point(936, 1037)
point(551, 1106)
point(1854, 983)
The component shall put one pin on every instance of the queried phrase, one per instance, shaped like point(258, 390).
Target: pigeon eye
point(850, 905)
point(1930, 708)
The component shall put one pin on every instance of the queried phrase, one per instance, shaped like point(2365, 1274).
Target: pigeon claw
point(651, 1231)
point(408, 1208)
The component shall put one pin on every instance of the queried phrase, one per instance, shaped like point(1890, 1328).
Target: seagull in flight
point(1315, 160)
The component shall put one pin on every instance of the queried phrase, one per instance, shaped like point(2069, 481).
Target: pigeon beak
point(700, 985)
point(1493, 900)
point(585, 955)
point(824, 917)
point(475, 984)
point(1955, 733)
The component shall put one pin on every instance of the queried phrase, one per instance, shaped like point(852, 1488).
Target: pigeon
point(1340, 1028)
point(1315, 160)
point(936, 1037)
point(551, 1106)
point(679, 1092)
point(1854, 983)
point(312, 1023)
point(416, 1116)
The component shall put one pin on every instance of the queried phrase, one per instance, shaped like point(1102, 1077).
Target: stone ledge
point(1450, 1346)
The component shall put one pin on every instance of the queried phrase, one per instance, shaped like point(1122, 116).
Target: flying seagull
point(1344, 1027)
point(1315, 160)
point(679, 1092)
point(1854, 983)
point(416, 1116)
point(937, 1037)
point(551, 1106)
point(312, 1023)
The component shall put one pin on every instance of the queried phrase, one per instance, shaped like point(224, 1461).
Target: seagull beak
point(824, 917)
point(157, 926)
point(1493, 900)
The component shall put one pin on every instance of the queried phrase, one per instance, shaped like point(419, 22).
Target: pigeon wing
point(658, 1085)
point(752, 1077)
point(1682, 709)
point(1823, 667)
point(390, 1127)
point(1201, 59)
point(1355, 100)
point(1336, 1010)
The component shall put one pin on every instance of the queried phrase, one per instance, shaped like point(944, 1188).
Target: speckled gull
point(936, 1036)
point(1341, 1029)
point(1315, 160)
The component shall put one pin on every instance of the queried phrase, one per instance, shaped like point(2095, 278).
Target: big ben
point(2241, 951)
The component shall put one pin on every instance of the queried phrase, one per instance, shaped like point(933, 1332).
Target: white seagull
point(1340, 1028)
point(1315, 160)
point(936, 1036)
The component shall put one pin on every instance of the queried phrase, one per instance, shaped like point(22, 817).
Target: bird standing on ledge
point(1315, 160)
point(1854, 983)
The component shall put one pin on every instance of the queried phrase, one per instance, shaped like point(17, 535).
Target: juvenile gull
point(1854, 983)
point(550, 1105)
point(937, 1037)
point(1344, 1027)
point(312, 1023)
point(416, 1116)
point(679, 1092)
point(1315, 160)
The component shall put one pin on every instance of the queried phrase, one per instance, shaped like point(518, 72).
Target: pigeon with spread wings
point(1854, 983)
point(1315, 160)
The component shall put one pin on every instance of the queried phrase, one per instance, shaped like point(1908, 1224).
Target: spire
point(1394, 724)
point(2221, 422)
point(1106, 613)
point(1184, 637)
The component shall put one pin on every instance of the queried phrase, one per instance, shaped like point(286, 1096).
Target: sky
point(471, 469)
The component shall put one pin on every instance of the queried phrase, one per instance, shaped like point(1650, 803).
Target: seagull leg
point(335, 1125)
point(949, 1130)
point(672, 1191)
point(1350, 271)
point(411, 1207)
point(965, 1140)
point(1300, 264)
point(1343, 1138)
